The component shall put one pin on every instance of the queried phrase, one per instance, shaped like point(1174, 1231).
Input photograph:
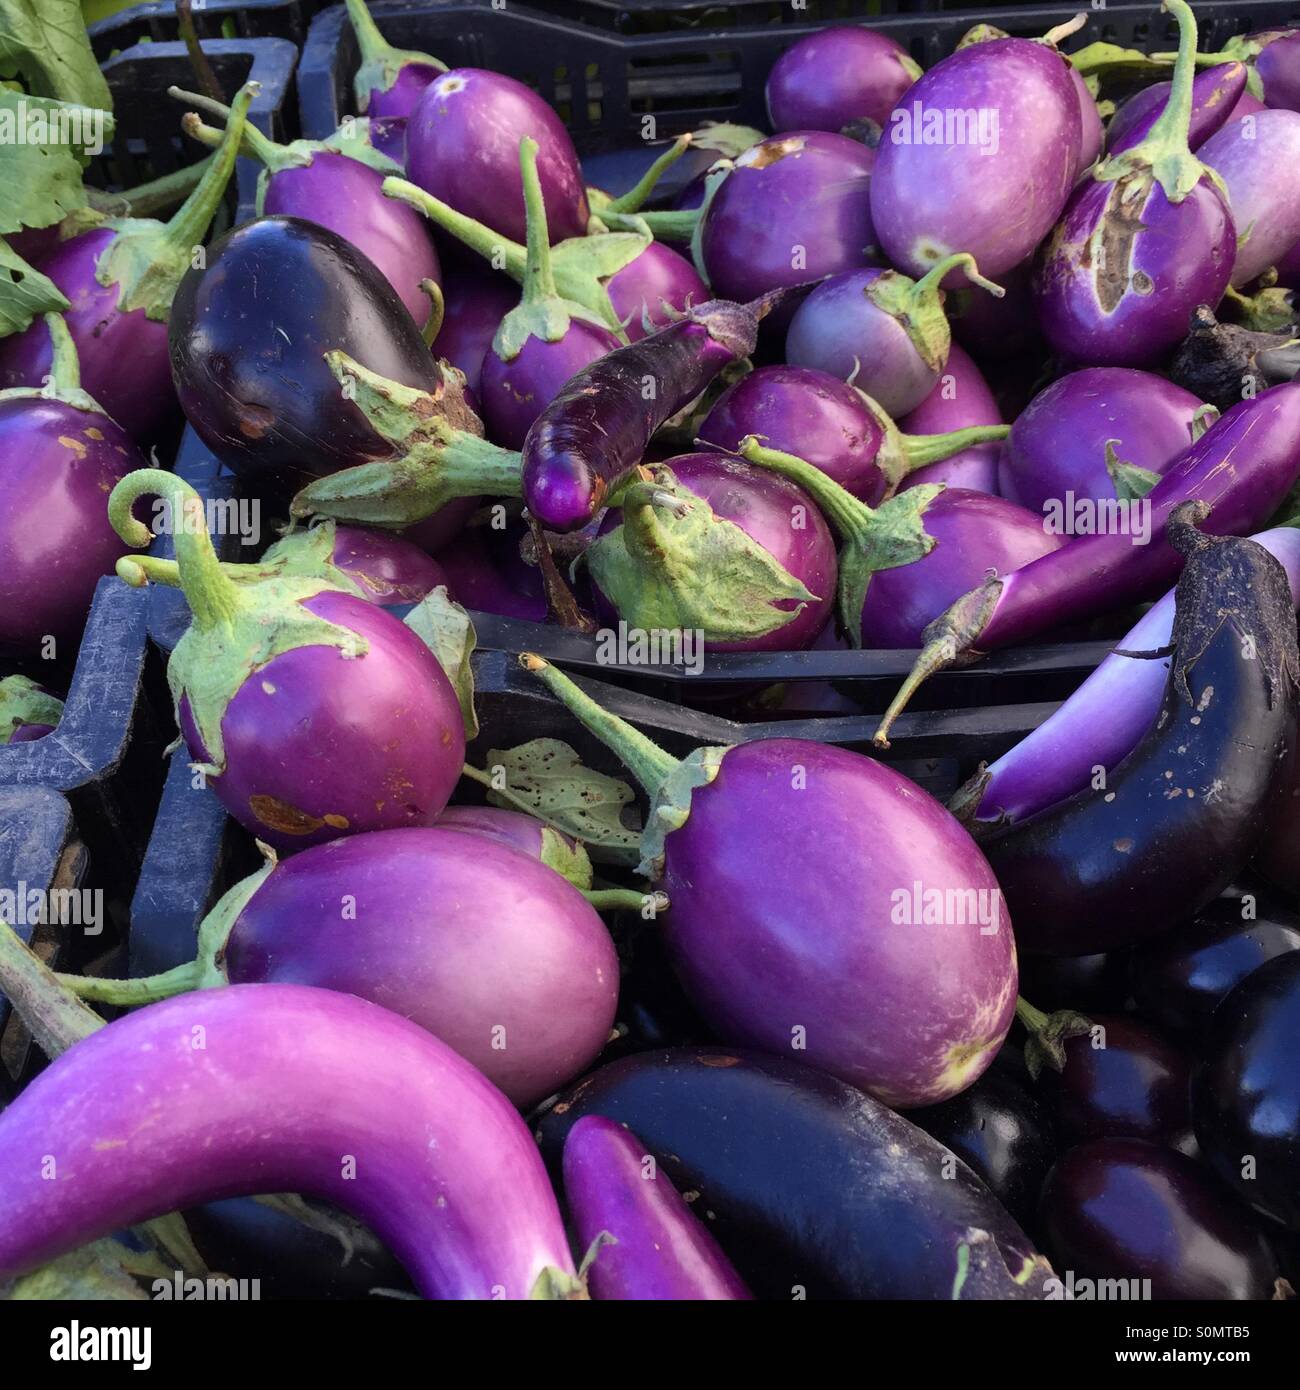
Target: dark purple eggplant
point(813, 1189)
point(1164, 833)
point(1098, 981)
point(487, 574)
point(474, 303)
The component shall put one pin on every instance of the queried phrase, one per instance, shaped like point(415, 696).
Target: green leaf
point(25, 294)
point(46, 41)
point(445, 628)
point(43, 149)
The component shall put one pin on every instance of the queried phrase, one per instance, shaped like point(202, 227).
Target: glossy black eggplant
point(1127, 1209)
point(808, 1184)
point(1003, 1133)
point(1246, 1090)
point(1179, 817)
point(248, 339)
point(1179, 979)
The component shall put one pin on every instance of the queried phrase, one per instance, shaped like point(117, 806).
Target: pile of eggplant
point(951, 361)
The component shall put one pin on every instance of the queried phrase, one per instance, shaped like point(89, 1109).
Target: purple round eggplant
point(1278, 66)
point(1092, 130)
point(312, 712)
point(1141, 244)
point(485, 573)
point(837, 76)
point(1128, 1209)
point(863, 931)
point(474, 303)
point(120, 280)
point(1066, 445)
point(657, 1249)
point(389, 81)
point(384, 568)
point(1247, 155)
point(281, 1088)
point(60, 456)
point(961, 399)
point(654, 289)
point(793, 210)
point(994, 126)
point(668, 556)
point(1246, 1090)
point(462, 146)
point(814, 1189)
point(1215, 95)
point(883, 331)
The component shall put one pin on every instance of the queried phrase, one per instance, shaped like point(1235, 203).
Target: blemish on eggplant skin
point(279, 815)
point(75, 445)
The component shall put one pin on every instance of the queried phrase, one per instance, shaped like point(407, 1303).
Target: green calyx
point(670, 806)
point(675, 566)
point(1268, 310)
point(1164, 156)
point(918, 304)
point(439, 453)
point(237, 628)
point(148, 259)
point(1048, 1034)
point(381, 63)
point(874, 539)
point(64, 380)
point(1129, 481)
point(23, 702)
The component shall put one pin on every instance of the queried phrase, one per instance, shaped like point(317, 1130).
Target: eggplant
point(1247, 155)
point(652, 1247)
point(389, 81)
point(518, 830)
point(1130, 1210)
point(813, 1189)
point(487, 575)
point(27, 711)
point(1245, 1096)
point(1160, 837)
point(363, 1109)
point(961, 400)
point(837, 76)
point(1215, 94)
point(474, 303)
point(1224, 362)
point(820, 856)
point(1073, 983)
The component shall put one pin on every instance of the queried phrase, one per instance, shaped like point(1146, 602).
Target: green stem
point(923, 449)
point(128, 993)
point(635, 197)
point(930, 282)
point(54, 1015)
point(65, 365)
point(213, 596)
point(647, 762)
point(253, 142)
point(1173, 125)
point(437, 311)
point(675, 224)
point(160, 194)
point(539, 277)
point(1031, 1018)
point(851, 517)
point(622, 899)
point(189, 224)
point(373, 45)
point(489, 244)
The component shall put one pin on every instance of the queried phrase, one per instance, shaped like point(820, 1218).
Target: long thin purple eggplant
point(283, 1088)
point(1242, 467)
point(1215, 93)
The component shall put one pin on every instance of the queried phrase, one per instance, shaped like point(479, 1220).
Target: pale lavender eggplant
point(474, 303)
point(837, 76)
point(1057, 445)
point(1247, 154)
point(389, 81)
point(462, 146)
point(1247, 105)
point(1216, 94)
point(960, 400)
point(932, 200)
point(1103, 721)
point(515, 829)
point(1092, 131)
point(807, 188)
point(287, 1083)
point(659, 1249)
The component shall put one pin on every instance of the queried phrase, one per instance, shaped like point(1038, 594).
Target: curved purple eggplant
point(389, 81)
point(881, 330)
point(994, 126)
point(312, 712)
point(820, 856)
point(1215, 94)
point(489, 949)
point(1079, 438)
point(837, 76)
point(656, 1248)
point(281, 1088)
point(1141, 244)
point(1247, 155)
point(961, 400)
point(121, 278)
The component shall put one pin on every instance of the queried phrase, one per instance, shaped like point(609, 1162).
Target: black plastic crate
point(155, 22)
point(669, 16)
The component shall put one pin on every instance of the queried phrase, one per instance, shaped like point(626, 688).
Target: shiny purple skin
point(835, 77)
point(1279, 68)
point(482, 945)
point(462, 145)
point(124, 362)
point(318, 745)
point(400, 100)
point(288, 1080)
point(1288, 268)
point(1248, 154)
point(515, 393)
point(1092, 133)
point(512, 828)
point(1130, 1209)
point(474, 303)
point(930, 201)
point(389, 568)
point(1058, 442)
point(804, 412)
point(1215, 94)
point(1180, 255)
point(837, 329)
point(484, 581)
point(960, 400)
point(974, 533)
point(806, 188)
point(661, 1250)
point(57, 466)
point(658, 276)
point(763, 504)
point(388, 136)
point(33, 244)
point(786, 884)
point(344, 195)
